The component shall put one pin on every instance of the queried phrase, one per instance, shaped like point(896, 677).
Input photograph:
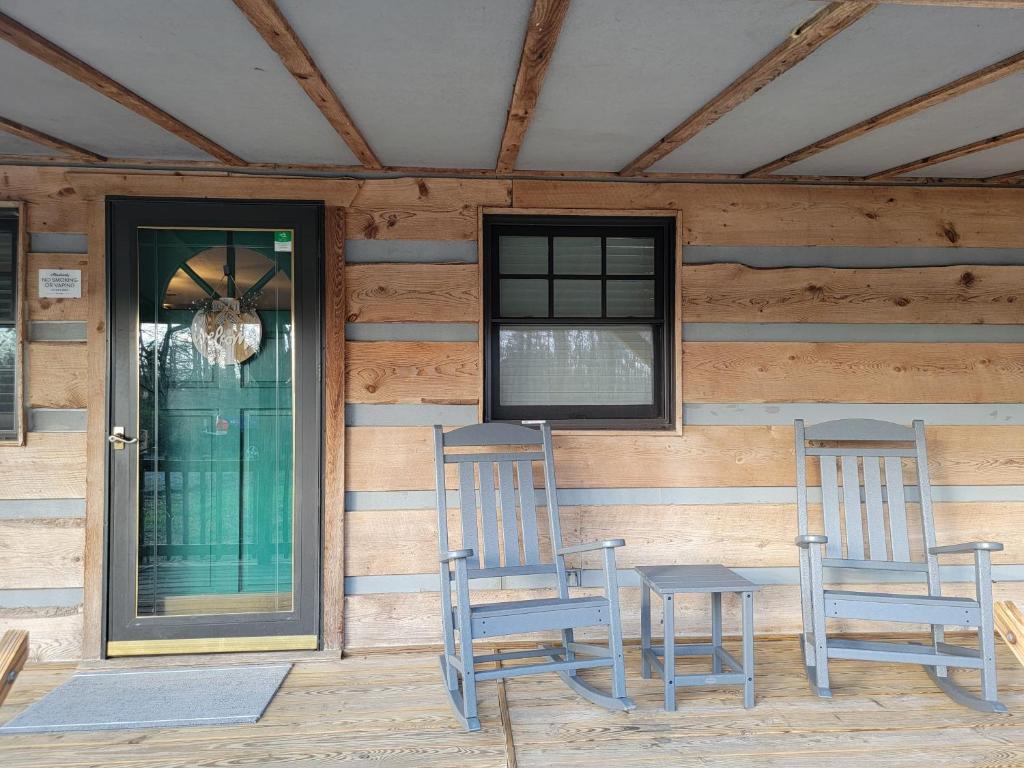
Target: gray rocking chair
point(866, 448)
point(515, 552)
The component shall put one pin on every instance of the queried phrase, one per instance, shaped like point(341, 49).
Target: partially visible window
point(10, 405)
point(579, 320)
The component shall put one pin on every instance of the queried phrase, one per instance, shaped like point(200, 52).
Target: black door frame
point(124, 632)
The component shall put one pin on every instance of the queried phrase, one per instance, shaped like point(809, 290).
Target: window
point(10, 353)
point(578, 315)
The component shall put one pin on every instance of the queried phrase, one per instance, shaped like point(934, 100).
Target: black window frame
point(10, 221)
point(657, 416)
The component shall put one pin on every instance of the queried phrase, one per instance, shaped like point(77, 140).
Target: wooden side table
point(671, 580)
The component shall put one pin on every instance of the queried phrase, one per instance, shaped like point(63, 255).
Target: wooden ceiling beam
point(275, 29)
point(1008, 66)
point(1012, 177)
point(951, 154)
point(64, 147)
point(801, 43)
point(50, 53)
point(960, 3)
point(545, 23)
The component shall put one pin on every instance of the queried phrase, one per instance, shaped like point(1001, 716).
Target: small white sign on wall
point(60, 283)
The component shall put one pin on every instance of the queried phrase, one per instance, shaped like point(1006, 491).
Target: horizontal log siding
point(785, 255)
point(845, 370)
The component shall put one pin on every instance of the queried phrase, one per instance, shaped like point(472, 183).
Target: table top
point(673, 579)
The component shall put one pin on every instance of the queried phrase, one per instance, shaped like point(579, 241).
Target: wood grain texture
point(734, 293)
point(56, 309)
point(385, 293)
point(734, 214)
point(93, 185)
point(787, 372)
point(386, 708)
point(423, 208)
point(13, 655)
point(333, 566)
point(44, 139)
point(394, 620)
point(701, 457)
point(412, 372)
point(52, 216)
point(51, 465)
point(57, 374)
point(542, 30)
point(1009, 623)
point(982, 77)
point(801, 43)
point(41, 553)
point(274, 28)
point(754, 535)
point(55, 634)
point(96, 445)
point(50, 53)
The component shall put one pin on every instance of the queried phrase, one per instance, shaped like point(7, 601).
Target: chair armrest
point(805, 541)
point(592, 546)
point(456, 554)
point(970, 546)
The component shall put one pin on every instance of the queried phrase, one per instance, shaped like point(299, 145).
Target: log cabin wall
point(797, 301)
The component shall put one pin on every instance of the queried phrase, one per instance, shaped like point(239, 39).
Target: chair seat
point(517, 616)
point(915, 609)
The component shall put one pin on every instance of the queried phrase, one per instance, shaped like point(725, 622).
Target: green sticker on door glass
point(283, 241)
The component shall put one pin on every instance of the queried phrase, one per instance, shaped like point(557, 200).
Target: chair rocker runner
point(884, 544)
point(507, 544)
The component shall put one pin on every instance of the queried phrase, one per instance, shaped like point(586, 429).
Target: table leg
point(670, 654)
point(748, 649)
point(645, 630)
point(716, 631)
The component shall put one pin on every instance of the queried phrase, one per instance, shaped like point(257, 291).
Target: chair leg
point(568, 638)
point(818, 674)
point(645, 630)
point(938, 637)
point(716, 630)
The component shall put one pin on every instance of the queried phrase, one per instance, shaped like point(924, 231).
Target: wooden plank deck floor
point(390, 710)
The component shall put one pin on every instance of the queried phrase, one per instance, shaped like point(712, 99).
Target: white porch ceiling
point(428, 83)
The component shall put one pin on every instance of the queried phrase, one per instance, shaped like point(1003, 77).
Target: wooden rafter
point(44, 50)
point(801, 43)
point(960, 3)
point(951, 154)
point(273, 27)
point(1008, 66)
point(46, 140)
point(545, 23)
point(1013, 176)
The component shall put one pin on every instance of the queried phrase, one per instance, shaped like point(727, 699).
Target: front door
point(214, 447)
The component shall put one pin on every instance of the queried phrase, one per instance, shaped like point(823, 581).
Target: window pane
point(8, 333)
point(597, 365)
point(630, 298)
point(6, 275)
point(630, 255)
point(577, 255)
point(522, 255)
point(577, 298)
point(523, 298)
point(8, 401)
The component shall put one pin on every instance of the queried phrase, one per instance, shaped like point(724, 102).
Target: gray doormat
point(153, 698)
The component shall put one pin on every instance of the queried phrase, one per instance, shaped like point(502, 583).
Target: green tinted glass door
point(215, 418)
point(213, 525)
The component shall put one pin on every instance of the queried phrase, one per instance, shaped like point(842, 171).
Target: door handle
point(118, 439)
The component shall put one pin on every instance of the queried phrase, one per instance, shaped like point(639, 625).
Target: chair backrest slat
point(528, 512)
point(871, 457)
point(489, 515)
point(495, 464)
point(830, 506)
point(873, 505)
point(897, 509)
point(467, 510)
point(509, 524)
point(851, 508)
